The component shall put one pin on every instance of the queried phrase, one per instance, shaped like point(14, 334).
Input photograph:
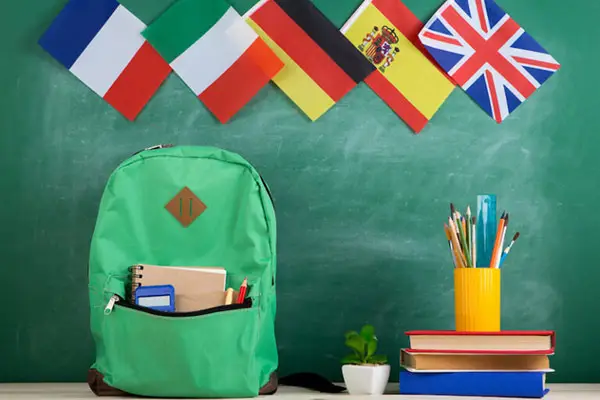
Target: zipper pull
point(158, 146)
point(111, 304)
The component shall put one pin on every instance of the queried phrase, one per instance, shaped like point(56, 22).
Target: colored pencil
point(507, 250)
point(456, 221)
point(460, 258)
point(447, 231)
point(463, 240)
point(497, 245)
point(454, 242)
point(468, 232)
point(464, 236)
point(229, 296)
point(463, 226)
point(474, 241)
point(242, 294)
point(502, 240)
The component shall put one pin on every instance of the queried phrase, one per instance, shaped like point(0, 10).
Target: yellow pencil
point(229, 296)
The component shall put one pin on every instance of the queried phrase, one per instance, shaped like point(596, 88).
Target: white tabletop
point(80, 391)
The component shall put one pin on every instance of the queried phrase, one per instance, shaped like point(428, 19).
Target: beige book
point(196, 288)
point(474, 362)
point(473, 341)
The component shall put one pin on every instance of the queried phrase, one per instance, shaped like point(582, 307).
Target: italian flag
point(215, 52)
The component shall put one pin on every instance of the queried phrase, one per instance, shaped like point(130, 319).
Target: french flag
point(100, 42)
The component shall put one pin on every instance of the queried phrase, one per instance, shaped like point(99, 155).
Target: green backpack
point(227, 351)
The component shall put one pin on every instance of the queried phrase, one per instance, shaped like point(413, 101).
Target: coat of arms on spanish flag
point(407, 79)
point(320, 64)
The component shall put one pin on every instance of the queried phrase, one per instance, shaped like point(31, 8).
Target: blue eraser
point(160, 297)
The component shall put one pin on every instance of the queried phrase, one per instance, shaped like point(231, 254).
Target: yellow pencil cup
point(477, 299)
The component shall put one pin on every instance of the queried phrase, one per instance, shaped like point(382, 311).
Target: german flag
point(408, 79)
point(320, 64)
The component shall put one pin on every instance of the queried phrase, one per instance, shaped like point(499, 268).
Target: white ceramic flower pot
point(366, 379)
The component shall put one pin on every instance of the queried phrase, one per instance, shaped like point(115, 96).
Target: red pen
point(242, 294)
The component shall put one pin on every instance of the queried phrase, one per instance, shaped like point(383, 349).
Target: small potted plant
point(364, 371)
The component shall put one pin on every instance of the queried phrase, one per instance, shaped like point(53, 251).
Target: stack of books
point(500, 364)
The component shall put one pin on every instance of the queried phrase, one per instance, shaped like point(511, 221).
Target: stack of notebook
point(196, 288)
point(502, 364)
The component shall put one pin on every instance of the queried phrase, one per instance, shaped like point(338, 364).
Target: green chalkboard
point(360, 199)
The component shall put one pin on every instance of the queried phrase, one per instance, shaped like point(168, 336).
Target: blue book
point(497, 384)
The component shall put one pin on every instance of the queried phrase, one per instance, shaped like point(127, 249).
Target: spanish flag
point(386, 33)
point(320, 64)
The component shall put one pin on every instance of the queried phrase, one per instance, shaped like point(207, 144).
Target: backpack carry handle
point(156, 147)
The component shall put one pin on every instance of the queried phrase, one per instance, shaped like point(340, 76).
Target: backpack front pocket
point(204, 354)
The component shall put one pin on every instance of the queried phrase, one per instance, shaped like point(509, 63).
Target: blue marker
point(486, 229)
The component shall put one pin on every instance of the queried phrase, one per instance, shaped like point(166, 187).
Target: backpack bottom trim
point(95, 381)
point(97, 385)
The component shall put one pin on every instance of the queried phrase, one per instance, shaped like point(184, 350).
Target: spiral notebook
point(196, 288)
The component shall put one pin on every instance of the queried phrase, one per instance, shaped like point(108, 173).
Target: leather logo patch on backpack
point(185, 207)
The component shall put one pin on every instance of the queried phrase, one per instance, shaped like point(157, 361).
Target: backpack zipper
point(111, 304)
point(155, 147)
point(122, 303)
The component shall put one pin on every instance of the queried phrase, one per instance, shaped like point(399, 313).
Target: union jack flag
point(488, 54)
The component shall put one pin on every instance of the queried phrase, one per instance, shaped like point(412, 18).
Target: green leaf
point(377, 359)
point(351, 359)
point(368, 333)
point(350, 334)
point(371, 347)
point(357, 343)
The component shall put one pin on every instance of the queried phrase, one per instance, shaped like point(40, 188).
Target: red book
point(504, 342)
